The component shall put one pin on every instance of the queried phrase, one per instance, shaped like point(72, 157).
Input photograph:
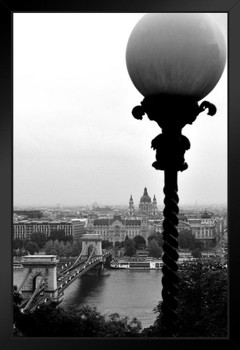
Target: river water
point(128, 292)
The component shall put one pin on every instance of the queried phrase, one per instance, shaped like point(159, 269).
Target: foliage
point(76, 248)
point(17, 299)
point(19, 253)
point(48, 321)
point(139, 242)
point(32, 247)
point(202, 311)
point(63, 249)
point(107, 244)
point(117, 326)
point(39, 238)
point(152, 230)
point(154, 249)
point(202, 308)
point(155, 242)
point(17, 243)
point(56, 247)
point(60, 236)
point(196, 253)
point(130, 248)
point(118, 244)
point(198, 244)
point(186, 239)
point(52, 248)
point(157, 237)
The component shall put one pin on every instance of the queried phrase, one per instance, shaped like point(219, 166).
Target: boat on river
point(137, 264)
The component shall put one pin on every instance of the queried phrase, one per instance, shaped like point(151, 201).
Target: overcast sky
point(75, 139)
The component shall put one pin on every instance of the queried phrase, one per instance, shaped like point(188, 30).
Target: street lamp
point(174, 60)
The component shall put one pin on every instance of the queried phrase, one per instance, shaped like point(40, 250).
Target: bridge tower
point(40, 269)
point(91, 241)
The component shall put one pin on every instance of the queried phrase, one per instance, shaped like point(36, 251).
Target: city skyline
point(75, 139)
point(160, 204)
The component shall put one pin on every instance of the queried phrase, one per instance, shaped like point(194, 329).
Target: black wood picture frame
point(7, 9)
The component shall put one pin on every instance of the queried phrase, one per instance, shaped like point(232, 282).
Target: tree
point(60, 236)
point(152, 230)
point(48, 321)
point(17, 243)
point(202, 301)
point(158, 237)
point(68, 249)
point(17, 299)
point(76, 248)
point(198, 244)
point(20, 252)
point(39, 238)
point(196, 253)
point(117, 326)
point(139, 242)
point(15, 252)
point(107, 244)
point(186, 239)
point(32, 247)
point(118, 244)
point(61, 248)
point(129, 246)
point(49, 248)
point(154, 249)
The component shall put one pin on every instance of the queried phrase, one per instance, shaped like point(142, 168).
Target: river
point(128, 292)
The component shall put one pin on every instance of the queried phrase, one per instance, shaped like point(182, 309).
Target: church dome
point(206, 215)
point(145, 197)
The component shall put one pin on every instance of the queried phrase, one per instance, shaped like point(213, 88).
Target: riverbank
point(127, 292)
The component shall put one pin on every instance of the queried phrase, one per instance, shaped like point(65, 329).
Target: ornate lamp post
point(174, 60)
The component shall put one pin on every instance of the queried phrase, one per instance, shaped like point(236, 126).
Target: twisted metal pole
point(170, 255)
point(170, 148)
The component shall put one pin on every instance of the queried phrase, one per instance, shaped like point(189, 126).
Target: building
point(182, 225)
point(204, 229)
point(146, 206)
point(23, 229)
point(79, 228)
point(117, 228)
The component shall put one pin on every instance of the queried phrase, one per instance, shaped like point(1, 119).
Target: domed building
point(146, 205)
point(116, 228)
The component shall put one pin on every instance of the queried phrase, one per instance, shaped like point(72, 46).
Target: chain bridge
point(44, 282)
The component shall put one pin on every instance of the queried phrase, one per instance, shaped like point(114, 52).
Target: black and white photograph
point(120, 214)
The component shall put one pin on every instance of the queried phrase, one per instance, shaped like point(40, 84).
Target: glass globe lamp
point(180, 54)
